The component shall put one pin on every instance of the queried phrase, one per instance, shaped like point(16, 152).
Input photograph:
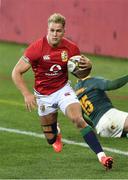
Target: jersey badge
point(64, 56)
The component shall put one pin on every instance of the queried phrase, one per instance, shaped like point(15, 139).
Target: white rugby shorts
point(58, 100)
point(111, 124)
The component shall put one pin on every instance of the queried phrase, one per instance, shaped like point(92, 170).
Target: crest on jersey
point(64, 56)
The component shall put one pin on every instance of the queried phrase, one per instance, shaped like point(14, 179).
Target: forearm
point(117, 83)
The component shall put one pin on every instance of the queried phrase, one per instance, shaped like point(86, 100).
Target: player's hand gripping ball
point(80, 66)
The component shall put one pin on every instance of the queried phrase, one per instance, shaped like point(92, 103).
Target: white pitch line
point(14, 103)
point(29, 133)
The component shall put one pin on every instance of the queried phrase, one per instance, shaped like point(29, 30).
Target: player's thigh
point(111, 124)
point(49, 118)
point(66, 97)
point(70, 106)
point(118, 117)
point(73, 112)
point(46, 104)
point(102, 127)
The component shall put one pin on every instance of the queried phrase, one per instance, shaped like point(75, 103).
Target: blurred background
point(98, 26)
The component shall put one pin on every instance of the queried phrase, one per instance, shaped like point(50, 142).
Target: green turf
point(27, 157)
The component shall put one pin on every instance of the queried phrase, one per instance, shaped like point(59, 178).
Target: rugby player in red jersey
point(48, 59)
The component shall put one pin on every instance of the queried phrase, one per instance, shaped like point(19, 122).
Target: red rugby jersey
point(50, 64)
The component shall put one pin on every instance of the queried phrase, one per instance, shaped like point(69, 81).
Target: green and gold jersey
point(93, 98)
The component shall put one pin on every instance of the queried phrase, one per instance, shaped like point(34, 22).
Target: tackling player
point(108, 121)
point(48, 59)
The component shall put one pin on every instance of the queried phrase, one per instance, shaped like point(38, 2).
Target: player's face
point(55, 33)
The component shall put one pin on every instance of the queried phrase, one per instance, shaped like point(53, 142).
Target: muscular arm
point(17, 75)
point(117, 83)
point(20, 68)
point(107, 85)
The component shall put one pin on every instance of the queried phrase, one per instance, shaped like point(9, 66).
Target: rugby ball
point(76, 69)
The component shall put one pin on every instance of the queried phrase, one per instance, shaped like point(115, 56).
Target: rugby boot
point(107, 162)
point(58, 145)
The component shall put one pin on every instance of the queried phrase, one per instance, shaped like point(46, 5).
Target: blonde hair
point(57, 18)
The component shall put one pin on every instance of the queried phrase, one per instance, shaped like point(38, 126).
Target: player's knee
point(50, 128)
point(79, 121)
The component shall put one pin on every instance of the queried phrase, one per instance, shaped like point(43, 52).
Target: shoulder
point(37, 43)
point(98, 77)
point(95, 78)
point(91, 81)
point(68, 42)
point(34, 50)
point(71, 46)
point(99, 82)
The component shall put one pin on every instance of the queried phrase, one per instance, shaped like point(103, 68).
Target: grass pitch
point(30, 157)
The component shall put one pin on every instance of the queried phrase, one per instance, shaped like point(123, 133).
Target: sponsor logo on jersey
point(64, 56)
point(46, 57)
point(54, 70)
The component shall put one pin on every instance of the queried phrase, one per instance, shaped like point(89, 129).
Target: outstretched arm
point(17, 75)
point(117, 83)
